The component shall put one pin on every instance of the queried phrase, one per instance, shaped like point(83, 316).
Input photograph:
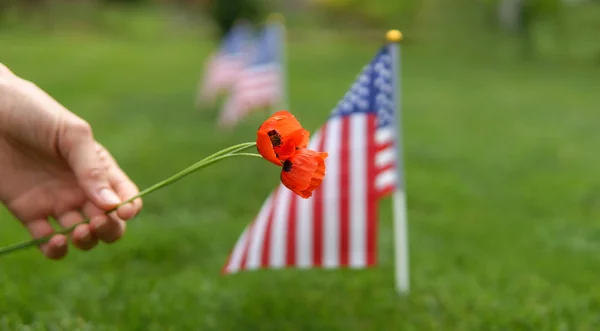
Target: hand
point(52, 167)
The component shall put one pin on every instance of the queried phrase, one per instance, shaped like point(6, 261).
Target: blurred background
point(500, 102)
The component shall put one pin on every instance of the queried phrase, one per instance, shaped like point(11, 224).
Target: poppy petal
point(304, 172)
point(265, 148)
point(279, 137)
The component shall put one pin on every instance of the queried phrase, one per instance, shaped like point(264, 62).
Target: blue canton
point(266, 48)
point(372, 91)
point(236, 40)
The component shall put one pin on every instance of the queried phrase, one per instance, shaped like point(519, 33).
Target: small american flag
point(337, 226)
point(223, 67)
point(259, 84)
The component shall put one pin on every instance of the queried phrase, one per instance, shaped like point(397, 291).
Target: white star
point(387, 88)
point(362, 91)
point(363, 104)
point(347, 106)
point(363, 79)
point(379, 82)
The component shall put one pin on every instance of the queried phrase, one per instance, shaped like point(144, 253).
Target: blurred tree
point(372, 13)
point(32, 9)
point(125, 2)
point(522, 16)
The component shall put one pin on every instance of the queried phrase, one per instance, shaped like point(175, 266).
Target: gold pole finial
point(276, 17)
point(394, 36)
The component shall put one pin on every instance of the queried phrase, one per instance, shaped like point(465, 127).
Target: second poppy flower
point(304, 172)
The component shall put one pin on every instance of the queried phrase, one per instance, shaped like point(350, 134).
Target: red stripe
point(291, 234)
point(244, 261)
point(381, 147)
point(371, 194)
point(266, 247)
point(224, 270)
point(228, 261)
point(318, 213)
point(385, 191)
point(344, 191)
point(386, 167)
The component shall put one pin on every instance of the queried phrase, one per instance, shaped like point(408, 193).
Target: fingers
point(108, 228)
point(82, 235)
point(88, 160)
point(56, 248)
point(126, 189)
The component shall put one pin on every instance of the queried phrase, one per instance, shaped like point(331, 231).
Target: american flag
point(259, 84)
point(337, 226)
point(224, 66)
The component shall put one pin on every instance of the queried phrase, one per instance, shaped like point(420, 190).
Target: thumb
point(87, 160)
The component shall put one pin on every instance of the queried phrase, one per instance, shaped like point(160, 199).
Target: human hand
point(52, 167)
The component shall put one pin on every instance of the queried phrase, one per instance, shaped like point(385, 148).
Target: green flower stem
point(216, 157)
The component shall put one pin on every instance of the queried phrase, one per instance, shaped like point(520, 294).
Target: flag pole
point(394, 37)
point(279, 21)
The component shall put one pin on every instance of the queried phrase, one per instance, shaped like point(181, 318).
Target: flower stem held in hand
point(280, 140)
point(216, 157)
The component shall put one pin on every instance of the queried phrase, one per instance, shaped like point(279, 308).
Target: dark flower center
point(275, 138)
point(287, 166)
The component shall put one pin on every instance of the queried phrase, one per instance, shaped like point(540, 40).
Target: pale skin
point(51, 166)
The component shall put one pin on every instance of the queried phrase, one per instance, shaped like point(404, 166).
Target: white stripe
point(385, 157)
point(331, 194)
point(255, 93)
point(358, 190)
point(240, 87)
point(385, 179)
point(315, 141)
point(384, 135)
point(304, 233)
point(238, 252)
point(263, 68)
point(258, 235)
point(267, 88)
point(243, 82)
point(279, 229)
point(304, 219)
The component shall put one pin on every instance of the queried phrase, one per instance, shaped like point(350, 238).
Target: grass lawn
point(502, 180)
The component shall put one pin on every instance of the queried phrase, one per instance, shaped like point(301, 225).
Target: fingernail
point(100, 225)
point(109, 197)
point(62, 241)
point(85, 235)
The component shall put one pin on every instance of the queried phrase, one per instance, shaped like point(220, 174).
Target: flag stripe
point(318, 212)
point(244, 261)
point(266, 248)
point(290, 259)
point(358, 189)
point(305, 246)
point(235, 258)
point(345, 195)
point(371, 217)
point(279, 228)
point(256, 244)
point(328, 193)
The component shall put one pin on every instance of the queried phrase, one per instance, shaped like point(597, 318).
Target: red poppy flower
point(278, 138)
point(304, 172)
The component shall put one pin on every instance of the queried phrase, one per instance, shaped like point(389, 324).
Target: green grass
point(502, 180)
